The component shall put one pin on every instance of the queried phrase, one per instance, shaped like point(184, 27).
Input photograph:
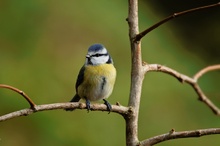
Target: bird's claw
point(109, 107)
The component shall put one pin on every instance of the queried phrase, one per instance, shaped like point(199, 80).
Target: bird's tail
point(76, 98)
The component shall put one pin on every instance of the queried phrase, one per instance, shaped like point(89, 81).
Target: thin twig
point(205, 70)
point(182, 134)
point(122, 110)
point(32, 104)
point(192, 81)
point(143, 33)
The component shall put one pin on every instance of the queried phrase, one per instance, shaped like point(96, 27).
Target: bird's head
point(98, 54)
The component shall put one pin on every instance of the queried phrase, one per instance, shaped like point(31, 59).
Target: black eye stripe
point(97, 55)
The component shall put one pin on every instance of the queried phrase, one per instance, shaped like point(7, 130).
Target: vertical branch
point(137, 76)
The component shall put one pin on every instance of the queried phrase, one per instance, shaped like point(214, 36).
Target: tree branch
point(192, 81)
point(182, 134)
point(28, 99)
point(137, 76)
point(160, 68)
point(205, 70)
point(143, 33)
point(122, 110)
point(138, 70)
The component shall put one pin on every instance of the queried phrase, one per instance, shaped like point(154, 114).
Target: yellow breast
point(98, 82)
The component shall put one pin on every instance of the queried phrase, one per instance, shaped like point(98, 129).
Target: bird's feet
point(88, 105)
point(109, 107)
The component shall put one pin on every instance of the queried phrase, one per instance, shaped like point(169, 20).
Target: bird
point(96, 77)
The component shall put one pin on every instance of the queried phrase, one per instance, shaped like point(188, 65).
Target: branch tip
point(28, 99)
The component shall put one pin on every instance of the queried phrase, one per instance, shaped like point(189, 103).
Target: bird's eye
point(96, 55)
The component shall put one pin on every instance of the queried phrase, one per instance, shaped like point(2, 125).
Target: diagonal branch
point(143, 33)
point(205, 70)
point(206, 100)
point(160, 68)
point(192, 81)
point(182, 134)
point(122, 110)
point(32, 104)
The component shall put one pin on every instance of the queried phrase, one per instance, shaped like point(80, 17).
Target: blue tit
point(96, 78)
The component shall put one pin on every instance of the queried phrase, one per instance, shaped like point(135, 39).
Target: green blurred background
point(43, 45)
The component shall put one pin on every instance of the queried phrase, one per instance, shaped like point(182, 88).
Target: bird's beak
point(87, 56)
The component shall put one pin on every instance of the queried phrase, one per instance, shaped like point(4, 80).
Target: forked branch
point(131, 112)
point(192, 81)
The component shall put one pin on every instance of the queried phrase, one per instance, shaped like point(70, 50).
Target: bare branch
point(143, 33)
point(202, 96)
point(182, 134)
point(138, 69)
point(137, 76)
point(181, 77)
point(205, 70)
point(122, 110)
point(206, 100)
point(191, 81)
point(32, 104)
